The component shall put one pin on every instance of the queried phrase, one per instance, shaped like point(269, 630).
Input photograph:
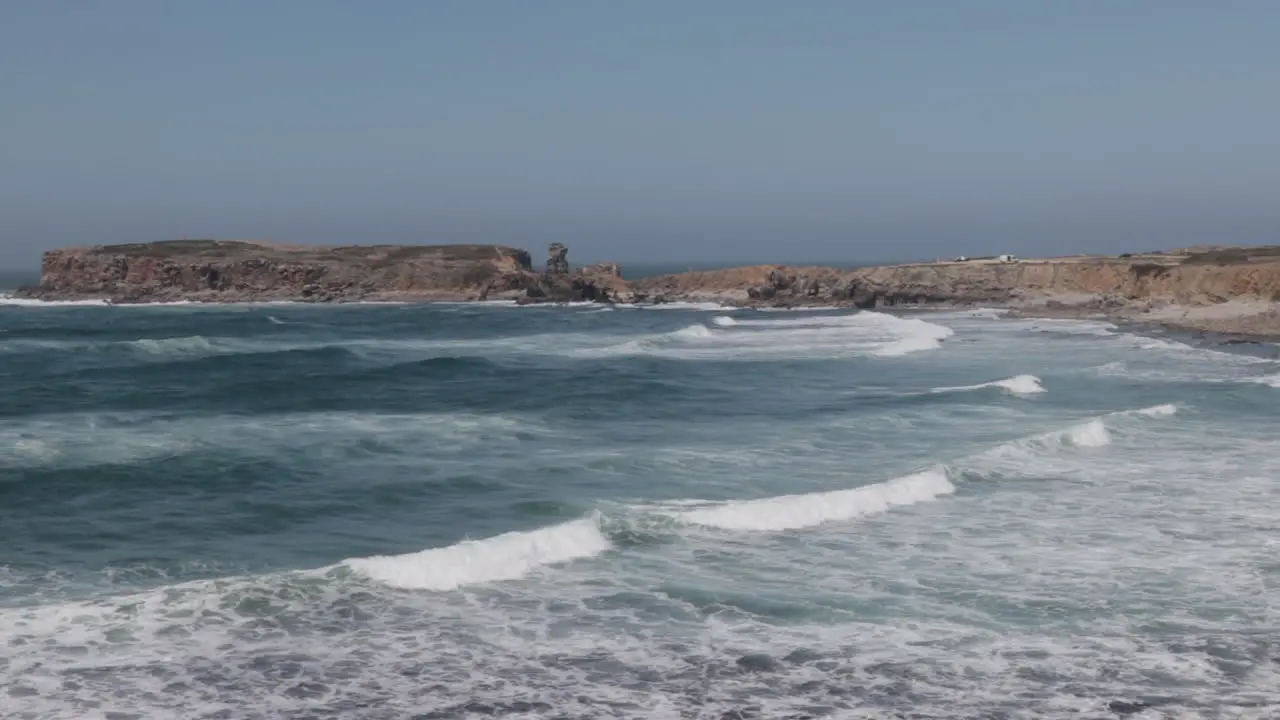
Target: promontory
point(1224, 289)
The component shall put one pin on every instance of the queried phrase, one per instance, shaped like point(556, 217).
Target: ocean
point(466, 510)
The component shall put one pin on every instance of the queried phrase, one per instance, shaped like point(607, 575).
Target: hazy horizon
point(709, 132)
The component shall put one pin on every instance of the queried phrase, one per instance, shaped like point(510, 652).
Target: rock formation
point(234, 271)
point(559, 284)
point(1160, 284)
point(557, 259)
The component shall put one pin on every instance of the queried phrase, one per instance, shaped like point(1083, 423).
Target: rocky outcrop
point(557, 259)
point(234, 271)
point(594, 283)
point(1156, 278)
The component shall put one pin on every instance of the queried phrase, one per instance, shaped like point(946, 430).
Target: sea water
point(433, 511)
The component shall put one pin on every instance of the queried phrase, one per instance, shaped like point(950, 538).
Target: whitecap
point(9, 300)
point(790, 512)
point(724, 321)
point(1017, 385)
point(694, 331)
point(693, 306)
point(502, 557)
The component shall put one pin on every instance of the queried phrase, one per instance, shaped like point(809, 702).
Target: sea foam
point(790, 512)
point(502, 557)
point(1017, 385)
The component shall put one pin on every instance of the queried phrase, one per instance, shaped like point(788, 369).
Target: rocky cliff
point(1187, 278)
point(1245, 281)
point(235, 271)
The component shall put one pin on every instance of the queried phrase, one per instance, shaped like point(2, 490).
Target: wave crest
point(502, 557)
point(1017, 385)
point(790, 512)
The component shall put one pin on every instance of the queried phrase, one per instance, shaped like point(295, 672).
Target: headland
point(1230, 290)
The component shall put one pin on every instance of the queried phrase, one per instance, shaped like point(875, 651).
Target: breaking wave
point(1270, 381)
point(502, 557)
point(790, 512)
point(11, 301)
point(1018, 385)
point(692, 331)
point(802, 336)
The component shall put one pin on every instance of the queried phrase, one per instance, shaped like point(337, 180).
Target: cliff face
point(235, 271)
point(241, 271)
point(1187, 279)
point(232, 271)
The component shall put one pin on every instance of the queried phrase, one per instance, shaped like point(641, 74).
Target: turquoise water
point(392, 511)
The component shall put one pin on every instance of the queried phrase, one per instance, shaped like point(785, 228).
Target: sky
point(662, 131)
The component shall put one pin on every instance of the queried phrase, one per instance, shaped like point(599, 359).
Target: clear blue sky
point(743, 130)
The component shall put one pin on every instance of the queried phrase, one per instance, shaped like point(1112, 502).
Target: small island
point(1232, 290)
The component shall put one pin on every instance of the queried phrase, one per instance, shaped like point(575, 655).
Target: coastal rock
point(603, 270)
point(237, 271)
point(594, 283)
point(557, 259)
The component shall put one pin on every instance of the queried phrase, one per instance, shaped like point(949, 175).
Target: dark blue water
point(368, 511)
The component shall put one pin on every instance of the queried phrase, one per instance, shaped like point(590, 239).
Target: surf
point(503, 557)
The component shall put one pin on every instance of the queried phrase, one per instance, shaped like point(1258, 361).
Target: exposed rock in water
point(594, 283)
point(235, 271)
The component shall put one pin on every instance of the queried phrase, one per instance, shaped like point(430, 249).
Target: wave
point(803, 337)
point(11, 301)
point(194, 344)
point(692, 331)
point(1270, 381)
point(1018, 385)
point(790, 512)
point(93, 439)
point(503, 557)
point(692, 306)
point(1158, 410)
point(1056, 451)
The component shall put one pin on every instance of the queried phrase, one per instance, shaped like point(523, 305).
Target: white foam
point(692, 331)
point(694, 306)
point(1089, 435)
point(919, 336)
point(724, 321)
point(1092, 434)
point(1018, 385)
point(789, 512)
point(503, 557)
point(1270, 381)
point(803, 336)
point(9, 300)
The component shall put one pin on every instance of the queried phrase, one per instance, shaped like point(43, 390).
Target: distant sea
point(462, 510)
point(11, 280)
